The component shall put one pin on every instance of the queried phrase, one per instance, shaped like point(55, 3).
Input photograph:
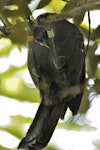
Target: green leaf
point(43, 3)
point(5, 46)
point(59, 5)
point(97, 144)
point(85, 104)
point(78, 19)
point(96, 33)
point(19, 29)
point(97, 85)
point(13, 8)
point(21, 91)
point(3, 3)
point(3, 148)
point(16, 125)
point(92, 61)
point(50, 147)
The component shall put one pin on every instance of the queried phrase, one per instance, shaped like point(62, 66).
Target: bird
point(56, 61)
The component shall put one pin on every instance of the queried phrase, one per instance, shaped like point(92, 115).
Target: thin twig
point(89, 32)
point(6, 28)
point(4, 20)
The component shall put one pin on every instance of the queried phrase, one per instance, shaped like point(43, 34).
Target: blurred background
point(19, 98)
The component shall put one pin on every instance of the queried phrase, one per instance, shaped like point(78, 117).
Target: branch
point(80, 8)
point(87, 6)
point(6, 28)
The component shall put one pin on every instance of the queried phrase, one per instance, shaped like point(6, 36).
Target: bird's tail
point(42, 127)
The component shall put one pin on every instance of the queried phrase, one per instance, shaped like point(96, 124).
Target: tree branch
point(80, 8)
point(73, 12)
point(6, 27)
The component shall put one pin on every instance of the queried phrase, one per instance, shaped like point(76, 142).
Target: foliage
point(13, 14)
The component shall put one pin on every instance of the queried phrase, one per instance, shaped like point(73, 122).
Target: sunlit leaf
point(3, 148)
point(97, 144)
point(43, 3)
point(51, 147)
point(22, 92)
point(5, 46)
point(59, 5)
point(16, 126)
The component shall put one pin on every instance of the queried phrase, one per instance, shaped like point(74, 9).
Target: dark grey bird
point(56, 61)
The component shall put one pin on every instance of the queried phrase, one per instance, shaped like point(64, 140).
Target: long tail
point(42, 127)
